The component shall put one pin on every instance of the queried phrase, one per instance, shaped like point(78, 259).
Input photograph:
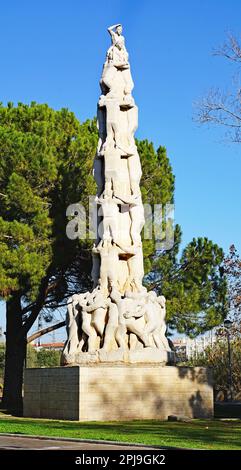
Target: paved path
point(29, 443)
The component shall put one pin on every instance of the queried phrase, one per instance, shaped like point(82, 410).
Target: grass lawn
point(198, 434)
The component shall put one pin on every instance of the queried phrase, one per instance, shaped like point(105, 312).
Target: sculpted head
point(119, 29)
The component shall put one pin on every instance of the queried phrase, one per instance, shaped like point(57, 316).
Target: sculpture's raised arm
point(110, 29)
point(99, 303)
point(114, 33)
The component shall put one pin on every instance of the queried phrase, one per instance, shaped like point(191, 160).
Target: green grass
point(198, 434)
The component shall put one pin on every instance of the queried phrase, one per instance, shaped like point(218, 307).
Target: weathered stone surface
point(118, 392)
point(149, 355)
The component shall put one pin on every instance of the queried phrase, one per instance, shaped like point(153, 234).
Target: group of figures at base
point(100, 321)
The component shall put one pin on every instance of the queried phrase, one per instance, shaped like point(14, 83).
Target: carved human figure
point(161, 333)
point(113, 136)
point(112, 82)
point(109, 211)
point(112, 122)
point(116, 224)
point(89, 330)
point(112, 164)
point(127, 306)
point(118, 56)
point(109, 257)
point(73, 323)
point(117, 53)
point(140, 292)
point(109, 261)
point(154, 312)
point(116, 80)
point(94, 310)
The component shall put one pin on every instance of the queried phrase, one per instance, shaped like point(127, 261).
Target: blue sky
point(52, 52)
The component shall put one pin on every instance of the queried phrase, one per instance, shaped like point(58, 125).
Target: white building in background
point(187, 348)
point(51, 346)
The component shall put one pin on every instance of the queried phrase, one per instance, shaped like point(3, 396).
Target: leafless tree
point(224, 108)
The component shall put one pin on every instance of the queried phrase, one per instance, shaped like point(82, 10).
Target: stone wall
point(118, 392)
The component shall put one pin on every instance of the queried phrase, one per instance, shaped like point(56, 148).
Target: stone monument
point(114, 362)
point(119, 321)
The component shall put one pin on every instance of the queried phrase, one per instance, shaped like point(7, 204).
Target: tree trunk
point(14, 358)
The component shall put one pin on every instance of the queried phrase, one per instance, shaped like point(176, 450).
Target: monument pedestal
point(118, 357)
point(105, 392)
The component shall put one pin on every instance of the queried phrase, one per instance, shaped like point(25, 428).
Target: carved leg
point(89, 331)
point(112, 273)
point(98, 320)
point(150, 326)
point(72, 329)
point(164, 338)
point(160, 339)
point(109, 143)
point(103, 276)
point(141, 334)
point(111, 327)
point(120, 336)
point(114, 230)
point(157, 339)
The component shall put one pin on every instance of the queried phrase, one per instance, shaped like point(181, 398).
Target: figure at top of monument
point(116, 81)
point(117, 53)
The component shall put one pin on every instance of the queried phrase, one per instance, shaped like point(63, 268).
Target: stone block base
point(141, 356)
point(104, 392)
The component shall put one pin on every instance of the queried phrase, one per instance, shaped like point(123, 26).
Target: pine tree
point(46, 161)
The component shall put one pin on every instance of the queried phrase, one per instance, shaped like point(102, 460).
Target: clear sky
point(52, 52)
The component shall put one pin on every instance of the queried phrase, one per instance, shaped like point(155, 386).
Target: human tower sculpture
point(119, 321)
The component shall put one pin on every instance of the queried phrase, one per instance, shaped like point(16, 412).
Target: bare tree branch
point(224, 108)
point(44, 331)
point(231, 49)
